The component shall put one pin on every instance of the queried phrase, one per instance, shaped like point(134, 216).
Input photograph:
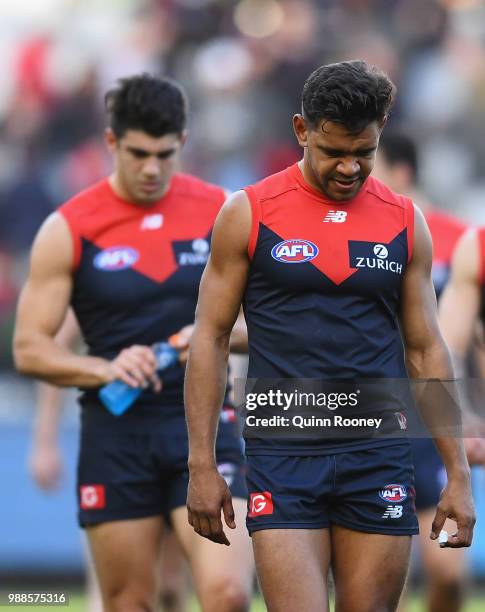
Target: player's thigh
point(215, 566)
point(126, 555)
point(369, 569)
point(93, 593)
point(443, 565)
point(289, 518)
point(292, 567)
point(173, 570)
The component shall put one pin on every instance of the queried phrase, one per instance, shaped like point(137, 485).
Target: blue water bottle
point(117, 396)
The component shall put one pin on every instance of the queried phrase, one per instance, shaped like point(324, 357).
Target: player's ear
point(383, 122)
point(110, 139)
point(183, 138)
point(301, 129)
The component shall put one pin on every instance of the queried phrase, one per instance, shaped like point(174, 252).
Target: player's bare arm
point(238, 342)
point(45, 461)
point(460, 302)
point(459, 311)
point(41, 310)
point(220, 296)
point(427, 357)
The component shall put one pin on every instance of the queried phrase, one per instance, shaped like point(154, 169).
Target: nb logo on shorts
point(393, 512)
point(92, 497)
point(260, 503)
point(335, 216)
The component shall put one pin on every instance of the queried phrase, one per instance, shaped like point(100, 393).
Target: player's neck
point(121, 192)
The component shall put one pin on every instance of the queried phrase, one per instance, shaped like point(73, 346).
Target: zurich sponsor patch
point(294, 251)
point(393, 493)
point(116, 258)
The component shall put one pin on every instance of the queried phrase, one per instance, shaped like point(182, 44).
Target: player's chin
point(342, 193)
point(146, 199)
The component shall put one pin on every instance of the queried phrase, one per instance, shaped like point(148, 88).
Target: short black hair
point(352, 93)
point(399, 148)
point(152, 104)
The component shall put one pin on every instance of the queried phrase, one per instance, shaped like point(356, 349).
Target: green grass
point(415, 604)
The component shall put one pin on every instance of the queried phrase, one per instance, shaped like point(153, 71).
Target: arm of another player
point(460, 303)
point(41, 309)
point(220, 296)
point(427, 357)
point(238, 342)
point(45, 461)
point(459, 309)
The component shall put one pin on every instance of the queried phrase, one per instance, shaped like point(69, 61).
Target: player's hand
point(456, 503)
point(207, 495)
point(475, 450)
point(137, 367)
point(181, 341)
point(45, 465)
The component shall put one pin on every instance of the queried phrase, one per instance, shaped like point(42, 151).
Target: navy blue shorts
point(369, 490)
point(429, 473)
point(128, 475)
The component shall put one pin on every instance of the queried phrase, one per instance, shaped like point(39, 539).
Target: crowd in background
point(243, 64)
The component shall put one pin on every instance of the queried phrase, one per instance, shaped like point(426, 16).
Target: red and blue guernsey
point(137, 272)
point(445, 231)
point(323, 294)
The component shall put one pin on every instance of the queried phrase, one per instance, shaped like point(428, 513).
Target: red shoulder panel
point(186, 212)
point(481, 254)
point(78, 211)
point(445, 232)
point(294, 210)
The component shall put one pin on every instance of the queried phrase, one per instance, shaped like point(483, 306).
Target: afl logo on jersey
point(116, 258)
point(294, 251)
point(393, 493)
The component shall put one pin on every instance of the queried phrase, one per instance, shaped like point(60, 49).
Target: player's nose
point(151, 167)
point(348, 167)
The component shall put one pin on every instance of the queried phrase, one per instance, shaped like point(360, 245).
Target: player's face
point(336, 161)
point(144, 164)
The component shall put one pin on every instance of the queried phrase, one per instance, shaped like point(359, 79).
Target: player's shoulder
point(184, 185)
point(445, 222)
point(469, 256)
point(86, 201)
point(274, 185)
point(479, 233)
point(379, 191)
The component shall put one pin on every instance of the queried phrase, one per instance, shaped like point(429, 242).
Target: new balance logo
point(335, 216)
point(393, 512)
point(152, 222)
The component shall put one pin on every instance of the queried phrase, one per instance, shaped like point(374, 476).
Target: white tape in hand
point(443, 538)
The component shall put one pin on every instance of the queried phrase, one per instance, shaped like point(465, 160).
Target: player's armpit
point(41, 309)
